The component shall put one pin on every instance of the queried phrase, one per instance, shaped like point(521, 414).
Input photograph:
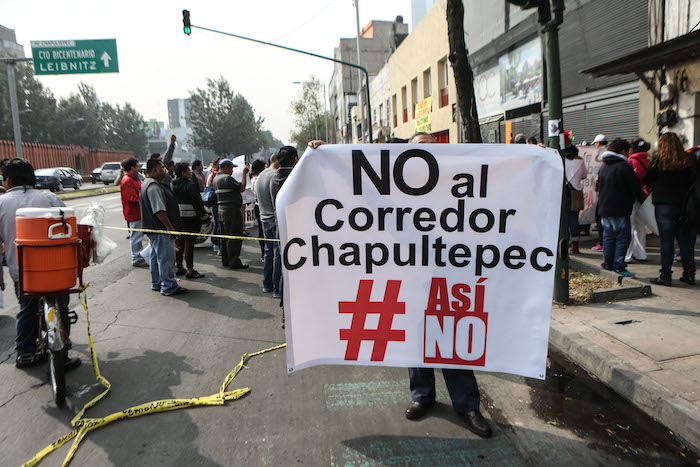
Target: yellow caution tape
point(85, 425)
point(192, 234)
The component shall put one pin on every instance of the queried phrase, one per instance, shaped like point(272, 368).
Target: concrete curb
point(628, 286)
point(678, 415)
point(91, 195)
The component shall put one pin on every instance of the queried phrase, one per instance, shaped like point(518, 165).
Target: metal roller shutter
point(615, 118)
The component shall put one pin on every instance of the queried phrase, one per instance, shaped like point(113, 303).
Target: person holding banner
point(228, 193)
point(461, 384)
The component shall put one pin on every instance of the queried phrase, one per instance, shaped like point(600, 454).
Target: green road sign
point(72, 57)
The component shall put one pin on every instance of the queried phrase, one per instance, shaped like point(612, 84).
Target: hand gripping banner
point(430, 255)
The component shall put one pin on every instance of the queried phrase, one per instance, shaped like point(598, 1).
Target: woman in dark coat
point(192, 214)
point(670, 174)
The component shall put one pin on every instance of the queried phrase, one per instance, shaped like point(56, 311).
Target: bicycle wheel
point(56, 351)
point(57, 375)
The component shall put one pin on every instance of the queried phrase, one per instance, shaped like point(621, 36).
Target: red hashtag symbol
point(360, 308)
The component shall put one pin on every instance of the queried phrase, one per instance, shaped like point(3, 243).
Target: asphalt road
point(153, 347)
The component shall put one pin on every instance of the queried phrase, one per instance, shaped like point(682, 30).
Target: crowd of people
point(627, 177)
point(174, 201)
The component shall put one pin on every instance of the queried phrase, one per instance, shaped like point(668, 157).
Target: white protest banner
point(429, 255)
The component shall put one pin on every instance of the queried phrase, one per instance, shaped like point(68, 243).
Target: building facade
point(506, 51)
point(377, 42)
point(422, 85)
point(9, 48)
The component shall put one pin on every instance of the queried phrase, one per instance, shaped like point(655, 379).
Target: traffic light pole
point(353, 65)
point(554, 106)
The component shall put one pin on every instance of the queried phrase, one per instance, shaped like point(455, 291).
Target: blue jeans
point(163, 263)
point(28, 321)
point(136, 239)
point(617, 234)
point(669, 230)
point(217, 228)
point(272, 268)
point(461, 384)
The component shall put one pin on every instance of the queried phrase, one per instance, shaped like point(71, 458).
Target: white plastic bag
point(646, 214)
point(146, 254)
point(94, 216)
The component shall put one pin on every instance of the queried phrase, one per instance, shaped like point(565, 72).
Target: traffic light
point(186, 22)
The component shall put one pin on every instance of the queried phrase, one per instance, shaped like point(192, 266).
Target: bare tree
point(464, 76)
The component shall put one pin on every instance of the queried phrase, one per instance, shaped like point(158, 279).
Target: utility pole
point(12, 86)
point(359, 73)
point(550, 18)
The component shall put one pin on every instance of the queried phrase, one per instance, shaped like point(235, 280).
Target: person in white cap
point(600, 141)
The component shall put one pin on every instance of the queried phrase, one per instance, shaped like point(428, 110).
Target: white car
point(110, 172)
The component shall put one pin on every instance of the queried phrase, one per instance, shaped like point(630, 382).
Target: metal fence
point(81, 158)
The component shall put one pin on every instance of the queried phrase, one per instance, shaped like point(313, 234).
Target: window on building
point(427, 84)
point(381, 114)
point(394, 110)
point(443, 79)
point(404, 103)
point(414, 97)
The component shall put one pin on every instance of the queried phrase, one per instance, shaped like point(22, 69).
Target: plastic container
point(48, 238)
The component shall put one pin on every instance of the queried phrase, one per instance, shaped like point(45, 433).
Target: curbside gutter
point(628, 286)
point(679, 416)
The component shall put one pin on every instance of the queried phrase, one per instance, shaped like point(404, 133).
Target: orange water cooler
point(48, 246)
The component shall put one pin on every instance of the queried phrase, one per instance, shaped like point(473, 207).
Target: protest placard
point(429, 255)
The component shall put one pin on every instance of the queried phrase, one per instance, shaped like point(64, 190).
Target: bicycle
point(52, 339)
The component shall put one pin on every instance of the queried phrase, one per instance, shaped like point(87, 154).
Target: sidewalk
point(647, 350)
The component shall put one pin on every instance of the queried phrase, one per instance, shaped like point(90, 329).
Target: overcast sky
point(157, 61)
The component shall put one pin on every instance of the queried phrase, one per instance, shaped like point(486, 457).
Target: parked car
point(110, 172)
point(95, 175)
point(75, 175)
point(55, 179)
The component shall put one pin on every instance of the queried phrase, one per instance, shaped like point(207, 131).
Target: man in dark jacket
point(228, 196)
point(618, 188)
point(159, 211)
point(192, 215)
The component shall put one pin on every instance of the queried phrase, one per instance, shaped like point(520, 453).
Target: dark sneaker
point(194, 275)
point(239, 266)
point(72, 363)
point(140, 264)
point(25, 360)
point(625, 273)
point(180, 272)
point(690, 280)
point(178, 291)
point(660, 281)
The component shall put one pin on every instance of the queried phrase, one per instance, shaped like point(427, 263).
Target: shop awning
point(678, 50)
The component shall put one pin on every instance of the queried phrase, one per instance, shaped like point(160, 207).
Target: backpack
point(209, 197)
